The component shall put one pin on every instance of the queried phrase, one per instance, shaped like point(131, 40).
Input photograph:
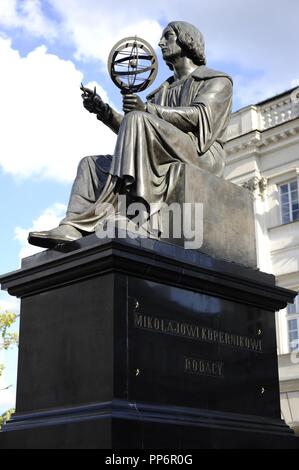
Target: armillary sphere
point(132, 65)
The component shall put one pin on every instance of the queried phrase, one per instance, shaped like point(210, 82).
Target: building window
point(289, 201)
point(293, 325)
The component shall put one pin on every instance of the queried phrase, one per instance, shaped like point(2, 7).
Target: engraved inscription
point(203, 367)
point(196, 332)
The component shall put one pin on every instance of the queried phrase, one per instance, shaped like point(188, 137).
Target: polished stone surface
point(200, 350)
point(122, 341)
point(124, 425)
point(64, 335)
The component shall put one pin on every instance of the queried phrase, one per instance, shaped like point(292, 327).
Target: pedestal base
point(124, 425)
point(140, 344)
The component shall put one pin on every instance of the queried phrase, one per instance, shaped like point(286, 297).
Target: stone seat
point(228, 215)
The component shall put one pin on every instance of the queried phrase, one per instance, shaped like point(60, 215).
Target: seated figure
point(183, 122)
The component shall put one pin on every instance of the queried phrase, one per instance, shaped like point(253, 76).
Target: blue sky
point(48, 46)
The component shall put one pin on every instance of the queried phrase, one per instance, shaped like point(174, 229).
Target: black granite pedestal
point(138, 344)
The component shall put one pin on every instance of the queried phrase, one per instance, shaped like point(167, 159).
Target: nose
point(161, 42)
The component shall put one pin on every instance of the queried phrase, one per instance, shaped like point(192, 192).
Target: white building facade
point(263, 156)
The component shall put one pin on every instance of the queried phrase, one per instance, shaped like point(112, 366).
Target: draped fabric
point(185, 123)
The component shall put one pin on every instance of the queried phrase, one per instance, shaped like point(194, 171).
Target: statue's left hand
point(133, 103)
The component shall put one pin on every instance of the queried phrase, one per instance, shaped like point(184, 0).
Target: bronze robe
point(185, 123)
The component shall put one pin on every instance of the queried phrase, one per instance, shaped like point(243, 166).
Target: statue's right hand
point(92, 101)
point(94, 104)
point(88, 104)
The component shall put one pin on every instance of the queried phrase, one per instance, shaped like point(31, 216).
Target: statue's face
point(169, 46)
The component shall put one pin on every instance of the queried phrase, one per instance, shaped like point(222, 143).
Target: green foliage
point(6, 417)
point(7, 340)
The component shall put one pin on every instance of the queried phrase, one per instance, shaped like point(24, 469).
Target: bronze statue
point(183, 122)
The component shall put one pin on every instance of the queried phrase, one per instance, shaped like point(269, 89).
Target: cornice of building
point(285, 249)
point(288, 280)
point(268, 114)
point(282, 172)
point(289, 385)
point(258, 141)
point(278, 97)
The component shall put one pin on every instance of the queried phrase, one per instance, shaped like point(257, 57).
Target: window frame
point(290, 202)
point(293, 316)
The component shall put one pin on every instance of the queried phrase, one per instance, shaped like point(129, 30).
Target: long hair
point(191, 40)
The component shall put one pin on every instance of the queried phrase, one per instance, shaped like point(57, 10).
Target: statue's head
point(189, 39)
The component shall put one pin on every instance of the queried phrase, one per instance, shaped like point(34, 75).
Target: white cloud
point(258, 42)
point(94, 27)
point(49, 219)
point(87, 41)
point(45, 130)
point(259, 39)
point(27, 14)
